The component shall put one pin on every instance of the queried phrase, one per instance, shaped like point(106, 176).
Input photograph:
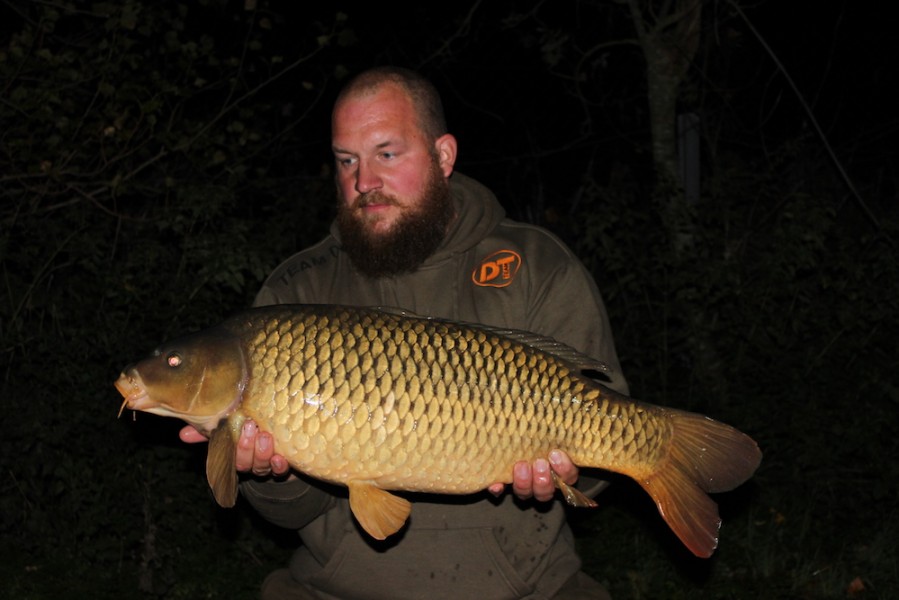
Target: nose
point(367, 178)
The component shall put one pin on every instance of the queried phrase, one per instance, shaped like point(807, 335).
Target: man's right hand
point(255, 451)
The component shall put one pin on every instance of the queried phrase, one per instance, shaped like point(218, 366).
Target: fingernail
point(249, 428)
point(541, 465)
point(263, 441)
point(555, 457)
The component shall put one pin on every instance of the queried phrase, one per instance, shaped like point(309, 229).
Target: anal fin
point(378, 511)
point(573, 496)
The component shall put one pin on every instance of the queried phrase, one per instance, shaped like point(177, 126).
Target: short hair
point(425, 97)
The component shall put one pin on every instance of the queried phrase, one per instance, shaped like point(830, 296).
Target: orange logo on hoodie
point(497, 269)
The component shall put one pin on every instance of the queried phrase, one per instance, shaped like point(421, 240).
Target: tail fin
point(704, 456)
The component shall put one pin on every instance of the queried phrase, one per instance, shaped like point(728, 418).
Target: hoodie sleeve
point(567, 305)
point(291, 504)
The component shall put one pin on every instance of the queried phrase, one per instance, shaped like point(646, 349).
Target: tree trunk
point(669, 44)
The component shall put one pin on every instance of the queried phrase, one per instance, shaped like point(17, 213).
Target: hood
point(478, 212)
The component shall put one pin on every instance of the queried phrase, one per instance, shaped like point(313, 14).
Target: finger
point(563, 467)
point(246, 447)
point(280, 466)
point(543, 486)
point(190, 435)
point(497, 488)
point(522, 481)
point(262, 457)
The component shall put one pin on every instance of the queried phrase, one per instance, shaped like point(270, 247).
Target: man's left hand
point(536, 480)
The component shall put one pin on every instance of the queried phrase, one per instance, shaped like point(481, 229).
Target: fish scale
point(381, 400)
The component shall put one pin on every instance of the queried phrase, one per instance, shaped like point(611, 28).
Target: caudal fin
point(704, 456)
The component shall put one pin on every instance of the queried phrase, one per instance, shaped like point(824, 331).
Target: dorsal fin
point(542, 343)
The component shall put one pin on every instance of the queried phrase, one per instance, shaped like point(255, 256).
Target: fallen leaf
point(856, 588)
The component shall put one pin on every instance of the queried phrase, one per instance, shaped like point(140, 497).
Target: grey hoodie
point(489, 270)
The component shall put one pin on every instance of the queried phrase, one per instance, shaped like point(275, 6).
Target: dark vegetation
point(158, 159)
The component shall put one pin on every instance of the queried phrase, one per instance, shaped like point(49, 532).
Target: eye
point(173, 360)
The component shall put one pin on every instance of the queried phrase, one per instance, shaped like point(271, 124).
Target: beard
point(416, 234)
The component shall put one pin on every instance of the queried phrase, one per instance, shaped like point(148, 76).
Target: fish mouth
point(134, 392)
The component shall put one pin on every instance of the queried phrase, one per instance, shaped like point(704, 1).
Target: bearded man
point(412, 234)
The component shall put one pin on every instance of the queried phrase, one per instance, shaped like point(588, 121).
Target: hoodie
point(492, 270)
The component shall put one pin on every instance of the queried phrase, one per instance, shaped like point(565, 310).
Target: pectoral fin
point(378, 511)
point(220, 468)
point(573, 496)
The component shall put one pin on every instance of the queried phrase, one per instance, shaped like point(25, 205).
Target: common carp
point(380, 400)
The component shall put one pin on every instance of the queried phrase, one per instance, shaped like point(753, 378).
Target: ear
point(446, 152)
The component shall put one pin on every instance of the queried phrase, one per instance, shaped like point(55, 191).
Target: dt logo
point(497, 269)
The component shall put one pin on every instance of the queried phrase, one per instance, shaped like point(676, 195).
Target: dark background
point(158, 159)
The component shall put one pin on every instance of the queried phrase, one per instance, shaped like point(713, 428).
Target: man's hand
point(255, 451)
point(536, 481)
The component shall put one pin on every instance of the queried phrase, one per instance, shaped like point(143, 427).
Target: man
point(412, 234)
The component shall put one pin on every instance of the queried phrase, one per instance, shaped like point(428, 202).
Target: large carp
point(382, 400)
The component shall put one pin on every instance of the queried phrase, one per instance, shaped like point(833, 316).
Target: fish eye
point(173, 359)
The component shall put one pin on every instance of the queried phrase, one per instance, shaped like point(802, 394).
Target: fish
point(382, 400)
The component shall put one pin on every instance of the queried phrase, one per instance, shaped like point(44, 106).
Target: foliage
point(154, 169)
point(136, 160)
point(797, 296)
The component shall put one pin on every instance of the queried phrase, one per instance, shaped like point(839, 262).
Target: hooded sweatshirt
point(491, 270)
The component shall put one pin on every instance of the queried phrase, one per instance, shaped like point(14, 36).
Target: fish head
point(198, 378)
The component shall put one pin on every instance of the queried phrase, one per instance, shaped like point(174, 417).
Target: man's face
point(392, 185)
